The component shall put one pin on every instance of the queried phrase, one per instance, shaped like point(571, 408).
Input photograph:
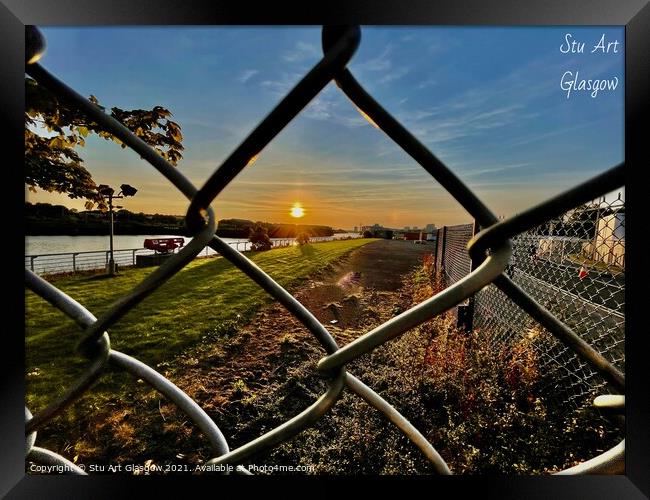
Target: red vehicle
point(163, 245)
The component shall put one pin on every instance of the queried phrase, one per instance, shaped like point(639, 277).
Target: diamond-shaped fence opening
point(516, 275)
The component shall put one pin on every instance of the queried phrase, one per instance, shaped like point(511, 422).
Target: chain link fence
point(456, 262)
point(490, 251)
point(574, 266)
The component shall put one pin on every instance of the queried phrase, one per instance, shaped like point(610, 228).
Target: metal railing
point(71, 262)
point(490, 249)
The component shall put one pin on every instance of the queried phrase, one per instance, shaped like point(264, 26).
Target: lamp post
point(107, 191)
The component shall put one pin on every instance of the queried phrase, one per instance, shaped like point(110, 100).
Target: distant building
point(609, 244)
point(411, 236)
point(430, 228)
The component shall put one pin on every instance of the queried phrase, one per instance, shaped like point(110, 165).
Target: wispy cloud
point(495, 169)
point(301, 52)
point(247, 75)
point(281, 86)
point(394, 74)
point(322, 107)
point(536, 137)
point(439, 126)
point(477, 111)
point(380, 62)
point(429, 82)
point(328, 105)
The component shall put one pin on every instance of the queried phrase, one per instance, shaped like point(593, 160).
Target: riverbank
point(208, 311)
point(204, 301)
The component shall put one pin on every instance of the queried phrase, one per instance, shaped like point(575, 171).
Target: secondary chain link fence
point(491, 251)
point(573, 265)
point(455, 261)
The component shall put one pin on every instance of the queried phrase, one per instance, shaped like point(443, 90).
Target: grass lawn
point(201, 303)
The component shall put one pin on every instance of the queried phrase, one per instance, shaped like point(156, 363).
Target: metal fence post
point(74, 262)
point(468, 320)
point(442, 251)
point(435, 251)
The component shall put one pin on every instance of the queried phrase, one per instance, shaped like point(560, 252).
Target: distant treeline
point(240, 228)
point(44, 219)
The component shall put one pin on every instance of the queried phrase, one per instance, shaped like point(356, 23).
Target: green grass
point(203, 302)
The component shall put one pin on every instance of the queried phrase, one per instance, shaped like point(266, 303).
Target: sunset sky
point(487, 101)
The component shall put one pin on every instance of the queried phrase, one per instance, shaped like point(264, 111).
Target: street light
point(106, 190)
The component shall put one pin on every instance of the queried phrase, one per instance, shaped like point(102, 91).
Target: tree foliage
point(302, 238)
point(259, 238)
point(54, 130)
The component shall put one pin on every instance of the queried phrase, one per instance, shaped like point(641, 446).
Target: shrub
point(302, 238)
point(483, 404)
point(428, 263)
point(259, 238)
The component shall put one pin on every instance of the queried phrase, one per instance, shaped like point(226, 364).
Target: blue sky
point(486, 101)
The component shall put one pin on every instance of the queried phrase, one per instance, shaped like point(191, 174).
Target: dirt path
point(358, 294)
point(376, 269)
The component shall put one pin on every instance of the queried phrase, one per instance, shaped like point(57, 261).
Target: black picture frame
point(633, 14)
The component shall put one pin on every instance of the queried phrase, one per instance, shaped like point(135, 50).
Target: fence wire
point(490, 250)
point(457, 263)
point(574, 266)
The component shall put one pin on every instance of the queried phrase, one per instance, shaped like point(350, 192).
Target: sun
point(297, 211)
